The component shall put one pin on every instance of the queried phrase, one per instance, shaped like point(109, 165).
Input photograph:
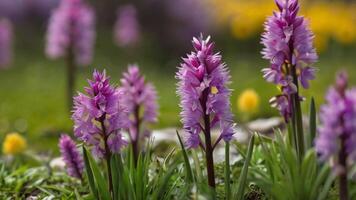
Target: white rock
point(265, 125)
point(57, 163)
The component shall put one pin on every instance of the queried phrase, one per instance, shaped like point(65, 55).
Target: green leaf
point(227, 170)
point(89, 174)
point(115, 175)
point(160, 191)
point(126, 190)
point(77, 195)
point(186, 160)
point(324, 192)
point(199, 173)
point(140, 178)
point(99, 179)
point(240, 187)
point(312, 124)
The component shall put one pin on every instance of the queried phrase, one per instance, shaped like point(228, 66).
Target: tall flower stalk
point(204, 99)
point(337, 133)
point(288, 45)
point(71, 34)
point(127, 27)
point(99, 119)
point(6, 37)
point(71, 156)
point(140, 99)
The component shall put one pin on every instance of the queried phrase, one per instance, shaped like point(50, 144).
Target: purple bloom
point(186, 23)
point(139, 98)
point(288, 45)
point(71, 156)
point(5, 43)
point(281, 103)
point(127, 28)
point(202, 87)
point(338, 121)
point(71, 28)
point(99, 116)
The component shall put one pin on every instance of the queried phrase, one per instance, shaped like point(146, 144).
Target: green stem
point(298, 120)
point(135, 142)
point(107, 156)
point(208, 144)
point(227, 171)
point(108, 163)
point(343, 190)
point(197, 165)
point(209, 154)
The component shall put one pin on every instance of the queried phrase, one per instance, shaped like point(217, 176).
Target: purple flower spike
point(99, 116)
point(282, 104)
point(127, 28)
point(338, 121)
point(202, 87)
point(71, 28)
point(71, 156)
point(288, 45)
point(140, 99)
point(5, 43)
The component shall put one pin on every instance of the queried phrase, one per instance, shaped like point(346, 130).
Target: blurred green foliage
point(33, 90)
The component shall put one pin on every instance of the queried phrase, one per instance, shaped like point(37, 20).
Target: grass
point(33, 90)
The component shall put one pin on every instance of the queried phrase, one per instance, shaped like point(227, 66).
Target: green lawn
point(33, 90)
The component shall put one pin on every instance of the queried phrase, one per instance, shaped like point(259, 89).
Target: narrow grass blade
point(199, 173)
point(160, 191)
point(186, 160)
point(126, 190)
point(227, 171)
point(90, 174)
point(312, 124)
point(77, 195)
point(239, 188)
point(324, 192)
point(115, 175)
point(99, 179)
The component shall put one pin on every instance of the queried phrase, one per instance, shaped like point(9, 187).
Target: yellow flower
point(248, 101)
point(14, 143)
point(328, 20)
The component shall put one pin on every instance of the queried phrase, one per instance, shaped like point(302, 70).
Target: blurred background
point(158, 34)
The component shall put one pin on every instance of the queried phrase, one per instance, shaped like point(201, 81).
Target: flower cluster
point(338, 121)
point(202, 87)
point(5, 43)
point(126, 29)
point(71, 28)
point(99, 116)
point(140, 99)
point(288, 45)
point(71, 156)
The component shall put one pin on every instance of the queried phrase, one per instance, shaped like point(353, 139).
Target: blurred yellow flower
point(328, 19)
point(14, 143)
point(248, 101)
